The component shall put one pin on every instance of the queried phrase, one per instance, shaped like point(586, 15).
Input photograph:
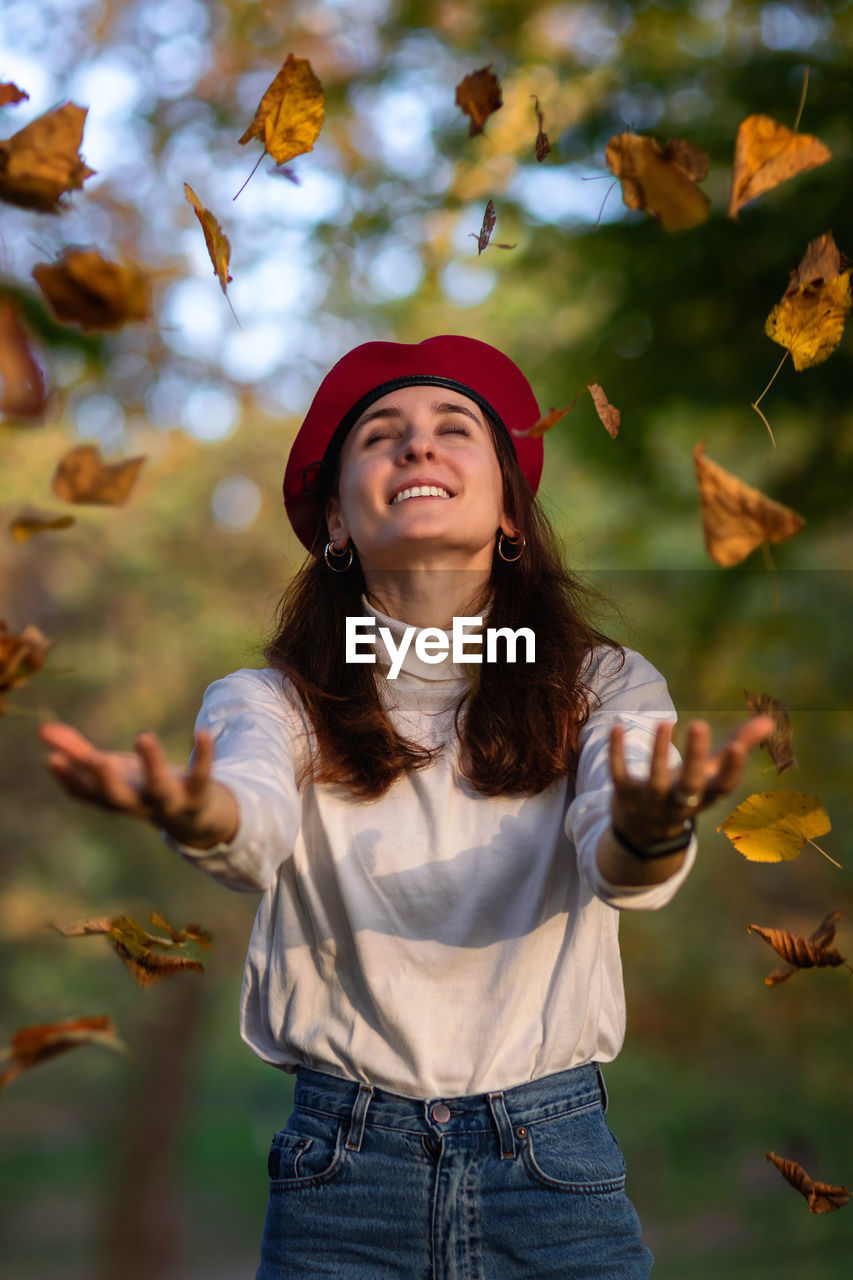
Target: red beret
point(373, 370)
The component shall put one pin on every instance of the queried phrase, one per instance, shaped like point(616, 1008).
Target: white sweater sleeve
point(252, 724)
point(637, 697)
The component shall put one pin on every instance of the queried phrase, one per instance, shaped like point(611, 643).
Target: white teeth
point(420, 491)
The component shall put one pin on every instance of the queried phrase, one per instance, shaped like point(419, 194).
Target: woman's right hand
point(192, 807)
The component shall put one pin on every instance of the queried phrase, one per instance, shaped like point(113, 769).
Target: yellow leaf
point(218, 244)
point(29, 523)
point(810, 321)
point(290, 114)
point(767, 153)
point(735, 517)
point(773, 826)
point(660, 180)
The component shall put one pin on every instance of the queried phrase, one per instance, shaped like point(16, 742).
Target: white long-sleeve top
point(434, 942)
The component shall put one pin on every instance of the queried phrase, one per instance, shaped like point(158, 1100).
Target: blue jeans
point(525, 1183)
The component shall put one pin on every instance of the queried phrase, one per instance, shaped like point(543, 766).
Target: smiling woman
point(443, 847)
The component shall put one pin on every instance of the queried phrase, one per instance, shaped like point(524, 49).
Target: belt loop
point(605, 1101)
point(500, 1115)
point(359, 1115)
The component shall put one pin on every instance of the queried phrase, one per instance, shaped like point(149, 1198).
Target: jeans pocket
point(309, 1151)
point(574, 1151)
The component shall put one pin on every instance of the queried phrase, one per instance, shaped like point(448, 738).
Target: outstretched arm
point(188, 804)
point(652, 808)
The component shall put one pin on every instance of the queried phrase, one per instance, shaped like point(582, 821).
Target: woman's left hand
point(655, 808)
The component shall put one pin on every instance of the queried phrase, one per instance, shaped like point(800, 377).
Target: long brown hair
point(518, 734)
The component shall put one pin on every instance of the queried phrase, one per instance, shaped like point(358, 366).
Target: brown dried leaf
point(23, 392)
point(823, 935)
point(543, 146)
point(10, 94)
point(822, 1196)
point(143, 952)
point(32, 1045)
point(40, 162)
point(660, 180)
point(478, 95)
point(547, 421)
point(799, 951)
point(779, 743)
point(735, 517)
point(290, 114)
point(83, 476)
point(608, 413)
point(218, 244)
point(766, 154)
point(485, 233)
point(84, 288)
point(29, 523)
point(810, 318)
point(21, 656)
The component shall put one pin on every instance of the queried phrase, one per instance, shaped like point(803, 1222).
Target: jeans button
point(441, 1113)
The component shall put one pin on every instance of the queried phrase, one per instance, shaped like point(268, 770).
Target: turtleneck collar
point(412, 665)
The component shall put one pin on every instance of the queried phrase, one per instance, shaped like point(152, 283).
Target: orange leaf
point(809, 320)
point(767, 153)
point(30, 523)
point(660, 180)
point(32, 1045)
point(822, 1196)
point(608, 413)
point(83, 476)
point(800, 952)
point(543, 146)
point(547, 421)
point(84, 288)
point(478, 95)
point(218, 245)
point(10, 94)
point(823, 936)
point(779, 743)
point(290, 114)
point(735, 517)
point(21, 656)
point(143, 952)
point(40, 162)
point(23, 392)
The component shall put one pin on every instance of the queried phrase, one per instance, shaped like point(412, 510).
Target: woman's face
point(422, 437)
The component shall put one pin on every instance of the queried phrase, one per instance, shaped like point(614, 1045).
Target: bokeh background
point(155, 1166)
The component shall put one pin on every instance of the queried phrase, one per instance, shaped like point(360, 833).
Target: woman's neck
point(428, 597)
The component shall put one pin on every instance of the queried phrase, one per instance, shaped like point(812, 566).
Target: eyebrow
point(392, 411)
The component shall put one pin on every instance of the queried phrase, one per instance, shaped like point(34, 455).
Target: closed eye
point(386, 435)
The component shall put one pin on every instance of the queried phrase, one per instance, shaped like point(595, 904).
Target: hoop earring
point(330, 548)
point(513, 543)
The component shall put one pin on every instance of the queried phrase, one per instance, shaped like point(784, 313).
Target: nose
point(417, 443)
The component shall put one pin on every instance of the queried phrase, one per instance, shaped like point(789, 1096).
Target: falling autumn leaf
point(546, 422)
point(32, 1045)
point(810, 318)
point(21, 656)
point(218, 245)
point(779, 742)
point(543, 146)
point(485, 233)
point(823, 936)
point(10, 94)
point(766, 154)
point(478, 95)
point(83, 476)
point(30, 523)
point(148, 956)
point(661, 179)
point(23, 393)
point(84, 288)
point(608, 413)
point(735, 517)
point(290, 114)
point(773, 826)
point(40, 162)
point(822, 1196)
point(798, 951)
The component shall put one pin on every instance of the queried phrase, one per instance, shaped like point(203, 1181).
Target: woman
point(443, 841)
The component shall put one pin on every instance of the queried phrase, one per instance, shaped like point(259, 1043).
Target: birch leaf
point(773, 826)
point(290, 114)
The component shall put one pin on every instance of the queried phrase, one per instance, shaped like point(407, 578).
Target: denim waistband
point(503, 1109)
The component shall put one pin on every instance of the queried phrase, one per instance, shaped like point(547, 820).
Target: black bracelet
point(658, 848)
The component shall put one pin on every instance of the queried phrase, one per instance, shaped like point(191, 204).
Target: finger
point(754, 731)
point(618, 770)
point(694, 770)
point(659, 774)
point(160, 783)
point(198, 776)
point(67, 739)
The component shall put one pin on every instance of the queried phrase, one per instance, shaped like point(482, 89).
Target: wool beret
point(374, 369)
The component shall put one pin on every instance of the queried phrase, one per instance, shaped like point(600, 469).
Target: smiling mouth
point(420, 491)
